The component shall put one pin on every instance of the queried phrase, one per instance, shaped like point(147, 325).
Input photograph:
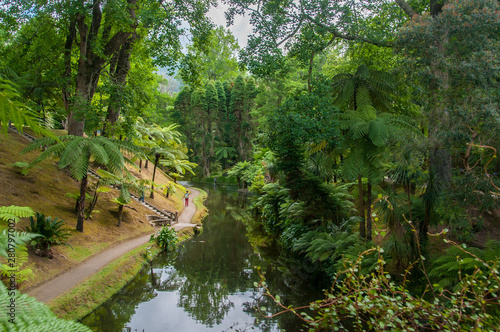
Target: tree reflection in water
point(208, 283)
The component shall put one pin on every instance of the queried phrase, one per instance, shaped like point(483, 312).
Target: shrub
point(375, 302)
point(51, 232)
point(166, 238)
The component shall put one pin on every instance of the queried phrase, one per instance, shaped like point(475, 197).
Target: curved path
point(64, 282)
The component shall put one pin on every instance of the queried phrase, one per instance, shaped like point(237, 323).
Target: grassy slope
point(44, 190)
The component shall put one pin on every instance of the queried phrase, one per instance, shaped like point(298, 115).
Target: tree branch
point(337, 34)
point(406, 8)
point(299, 25)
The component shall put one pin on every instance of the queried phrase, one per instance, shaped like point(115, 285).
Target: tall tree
point(103, 33)
point(209, 124)
point(242, 100)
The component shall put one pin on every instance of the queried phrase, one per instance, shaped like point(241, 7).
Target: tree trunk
point(369, 212)
point(92, 204)
point(146, 164)
point(81, 205)
point(118, 77)
point(90, 63)
point(66, 95)
point(157, 159)
point(120, 214)
point(361, 208)
point(440, 162)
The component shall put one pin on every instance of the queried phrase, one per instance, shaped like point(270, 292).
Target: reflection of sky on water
point(153, 315)
point(207, 284)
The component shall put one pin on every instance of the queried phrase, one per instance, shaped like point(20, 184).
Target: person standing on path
point(186, 199)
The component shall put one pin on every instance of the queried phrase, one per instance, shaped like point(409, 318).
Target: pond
point(208, 283)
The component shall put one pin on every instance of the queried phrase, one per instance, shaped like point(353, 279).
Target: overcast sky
point(241, 27)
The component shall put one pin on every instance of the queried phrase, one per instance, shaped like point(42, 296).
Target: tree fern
point(448, 268)
point(76, 153)
point(365, 87)
point(31, 315)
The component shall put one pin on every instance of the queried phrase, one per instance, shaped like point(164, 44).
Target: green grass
point(201, 210)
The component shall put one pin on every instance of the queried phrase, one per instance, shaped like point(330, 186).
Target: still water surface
point(207, 284)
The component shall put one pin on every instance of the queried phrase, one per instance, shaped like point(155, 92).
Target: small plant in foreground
point(14, 243)
point(166, 238)
point(51, 232)
point(376, 302)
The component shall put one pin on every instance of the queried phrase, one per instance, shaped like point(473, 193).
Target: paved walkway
point(64, 282)
point(188, 213)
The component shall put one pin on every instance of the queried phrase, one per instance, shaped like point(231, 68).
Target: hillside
point(44, 190)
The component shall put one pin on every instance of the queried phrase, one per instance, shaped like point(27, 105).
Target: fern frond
point(80, 166)
point(14, 212)
point(378, 132)
point(73, 151)
point(33, 316)
point(359, 130)
point(98, 152)
point(19, 239)
point(362, 97)
point(39, 143)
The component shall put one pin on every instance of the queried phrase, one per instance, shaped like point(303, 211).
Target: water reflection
point(208, 283)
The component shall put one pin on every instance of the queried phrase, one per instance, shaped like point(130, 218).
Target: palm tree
point(77, 152)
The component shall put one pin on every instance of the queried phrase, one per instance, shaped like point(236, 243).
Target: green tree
point(76, 152)
point(160, 143)
point(183, 116)
point(218, 59)
point(236, 112)
point(368, 133)
point(125, 182)
point(242, 101)
point(208, 122)
point(97, 33)
point(365, 93)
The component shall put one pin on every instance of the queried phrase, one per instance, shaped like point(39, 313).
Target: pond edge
point(91, 293)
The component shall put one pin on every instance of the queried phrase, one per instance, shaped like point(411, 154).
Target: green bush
point(375, 302)
point(51, 232)
point(166, 238)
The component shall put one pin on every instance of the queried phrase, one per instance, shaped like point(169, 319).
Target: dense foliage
point(361, 128)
